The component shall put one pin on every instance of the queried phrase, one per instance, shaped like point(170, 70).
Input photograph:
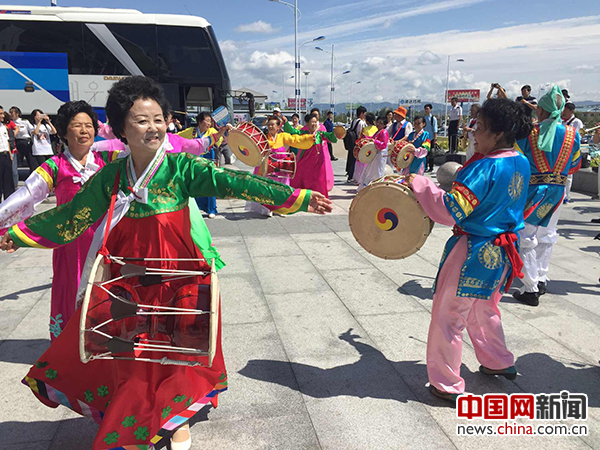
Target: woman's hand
point(7, 244)
point(410, 179)
point(319, 204)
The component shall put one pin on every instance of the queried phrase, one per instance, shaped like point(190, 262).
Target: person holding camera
point(41, 144)
point(500, 92)
point(529, 103)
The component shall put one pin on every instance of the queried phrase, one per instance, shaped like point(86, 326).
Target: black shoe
point(334, 158)
point(443, 395)
point(542, 288)
point(595, 220)
point(510, 373)
point(529, 298)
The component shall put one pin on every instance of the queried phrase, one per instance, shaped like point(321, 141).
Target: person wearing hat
point(553, 153)
point(400, 127)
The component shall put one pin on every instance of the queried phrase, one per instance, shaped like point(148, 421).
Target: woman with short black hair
point(63, 175)
point(139, 403)
point(485, 207)
point(41, 143)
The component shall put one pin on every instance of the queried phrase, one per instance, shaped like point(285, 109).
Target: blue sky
point(399, 48)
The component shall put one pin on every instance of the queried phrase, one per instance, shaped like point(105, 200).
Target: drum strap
point(103, 250)
point(507, 242)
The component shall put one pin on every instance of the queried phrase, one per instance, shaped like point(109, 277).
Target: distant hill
point(374, 107)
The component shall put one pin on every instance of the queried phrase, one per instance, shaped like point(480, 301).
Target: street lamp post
point(333, 88)
point(306, 72)
point(317, 39)
point(297, 13)
point(331, 94)
point(352, 101)
point(283, 89)
point(446, 93)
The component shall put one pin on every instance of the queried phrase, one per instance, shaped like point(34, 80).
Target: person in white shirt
point(455, 120)
point(7, 186)
point(23, 137)
point(42, 146)
point(569, 119)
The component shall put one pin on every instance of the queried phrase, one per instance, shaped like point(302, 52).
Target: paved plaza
point(325, 344)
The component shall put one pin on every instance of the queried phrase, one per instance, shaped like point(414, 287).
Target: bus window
point(140, 42)
point(47, 37)
point(98, 59)
point(186, 56)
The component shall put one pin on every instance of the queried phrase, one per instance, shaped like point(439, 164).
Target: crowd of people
point(128, 194)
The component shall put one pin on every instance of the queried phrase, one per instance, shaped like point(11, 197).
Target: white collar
point(85, 173)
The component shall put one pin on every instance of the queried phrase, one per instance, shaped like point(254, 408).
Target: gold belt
point(548, 178)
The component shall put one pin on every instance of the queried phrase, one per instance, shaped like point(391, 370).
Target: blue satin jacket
point(487, 199)
point(549, 171)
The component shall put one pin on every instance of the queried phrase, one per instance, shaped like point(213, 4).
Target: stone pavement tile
point(303, 223)
point(234, 253)
point(584, 267)
point(287, 274)
point(283, 432)
point(368, 291)
point(261, 383)
point(556, 318)
point(23, 418)
point(336, 223)
point(327, 251)
point(37, 445)
point(221, 226)
point(74, 433)
point(402, 338)
point(23, 259)
point(258, 225)
point(242, 300)
point(354, 396)
point(280, 245)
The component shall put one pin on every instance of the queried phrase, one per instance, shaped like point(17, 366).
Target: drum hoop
point(379, 183)
point(84, 308)
point(214, 313)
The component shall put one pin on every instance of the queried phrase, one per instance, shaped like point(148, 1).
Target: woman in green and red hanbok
point(139, 403)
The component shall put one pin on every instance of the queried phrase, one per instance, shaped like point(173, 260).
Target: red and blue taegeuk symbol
point(386, 219)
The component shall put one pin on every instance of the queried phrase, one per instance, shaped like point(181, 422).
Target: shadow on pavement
point(368, 377)
point(22, 351)
point(15, 295)
point(415, 289)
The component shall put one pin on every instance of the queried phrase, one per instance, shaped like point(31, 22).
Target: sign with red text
point(464, 95)
point(291, 103)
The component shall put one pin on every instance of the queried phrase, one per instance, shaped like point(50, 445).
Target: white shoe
point(185, 445)
point(269, 214)
point(212, 216)
point(233, 159)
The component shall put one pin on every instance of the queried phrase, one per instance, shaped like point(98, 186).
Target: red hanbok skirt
point(135, 403)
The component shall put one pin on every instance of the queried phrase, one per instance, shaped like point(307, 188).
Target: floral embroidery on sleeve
point(129, 421)
point(111, 438)
point(141, 433)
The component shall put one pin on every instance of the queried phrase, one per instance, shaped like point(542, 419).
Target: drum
point(387, 220)
point(400, 156)
point(278, 167)
point(340, 132)
point(121, 319)
point(365, 150)
point(248, 143)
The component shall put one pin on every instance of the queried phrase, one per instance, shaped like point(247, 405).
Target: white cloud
point(428, 58)
point(259, 27)
point(394, 68)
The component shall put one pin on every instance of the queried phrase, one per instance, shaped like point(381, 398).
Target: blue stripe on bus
point(63, 96)
point(56, 79)
point(33, 60)
point(11, 80)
